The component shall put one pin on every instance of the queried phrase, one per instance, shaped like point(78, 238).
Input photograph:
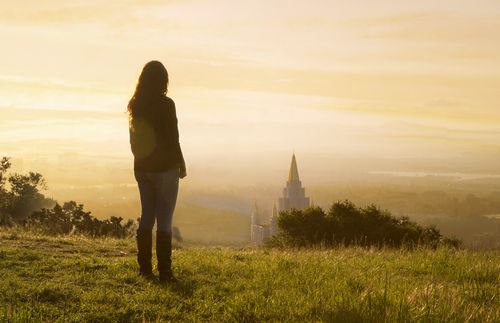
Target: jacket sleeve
point(173, 130)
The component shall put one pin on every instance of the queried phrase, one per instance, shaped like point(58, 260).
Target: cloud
point(432, 26)
point(29, 114)
point(15, 81)
point(63, 12)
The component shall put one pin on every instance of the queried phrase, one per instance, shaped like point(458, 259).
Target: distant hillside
point(212, 226)
point(198, 224)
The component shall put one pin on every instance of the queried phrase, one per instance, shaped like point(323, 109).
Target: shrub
point(345, 224)
point(71, 218)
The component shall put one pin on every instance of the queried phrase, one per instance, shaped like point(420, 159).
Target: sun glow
point(253, 81)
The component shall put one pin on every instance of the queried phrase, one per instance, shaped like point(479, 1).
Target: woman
point(158, 165)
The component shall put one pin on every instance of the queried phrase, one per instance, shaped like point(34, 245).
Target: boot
point(144, 253)
point(164, 255)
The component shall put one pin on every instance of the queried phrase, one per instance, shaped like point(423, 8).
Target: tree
point(22, 197)
point(5, 196)
point(23, 203)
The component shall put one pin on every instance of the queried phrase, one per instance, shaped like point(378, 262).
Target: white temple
point(293, 198)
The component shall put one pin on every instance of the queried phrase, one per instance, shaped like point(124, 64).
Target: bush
point(345, 224)
point(71, 218)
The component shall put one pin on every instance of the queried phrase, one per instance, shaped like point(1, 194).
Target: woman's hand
point(182, 171)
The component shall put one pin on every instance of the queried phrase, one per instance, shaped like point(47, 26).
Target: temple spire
point(293, 175)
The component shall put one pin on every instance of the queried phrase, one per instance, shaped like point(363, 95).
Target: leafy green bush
point(345, 224)
point(71, 218)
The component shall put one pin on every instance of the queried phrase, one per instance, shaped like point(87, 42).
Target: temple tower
point(294, 196)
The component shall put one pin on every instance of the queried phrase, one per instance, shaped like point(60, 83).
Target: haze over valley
point(394, 103)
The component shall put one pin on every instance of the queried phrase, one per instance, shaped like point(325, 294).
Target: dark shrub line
point(345, 224)
point(71, 218)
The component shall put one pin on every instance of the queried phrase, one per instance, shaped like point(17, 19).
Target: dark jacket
point(154, 136)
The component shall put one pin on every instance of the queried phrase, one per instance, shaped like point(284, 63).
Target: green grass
point(78, 279)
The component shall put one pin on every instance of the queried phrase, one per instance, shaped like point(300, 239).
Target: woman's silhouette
point(158, 165)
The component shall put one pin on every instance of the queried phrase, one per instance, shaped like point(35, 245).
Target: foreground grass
point(78, 279)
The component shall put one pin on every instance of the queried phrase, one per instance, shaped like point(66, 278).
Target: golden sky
point(255, 80)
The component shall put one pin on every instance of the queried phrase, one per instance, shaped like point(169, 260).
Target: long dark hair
point(152, 84)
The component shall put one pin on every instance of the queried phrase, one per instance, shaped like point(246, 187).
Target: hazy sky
point(255, 80)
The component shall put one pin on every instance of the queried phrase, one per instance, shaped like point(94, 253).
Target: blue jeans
point(158, 197)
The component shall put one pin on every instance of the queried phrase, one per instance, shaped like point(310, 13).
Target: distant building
point(293, 198)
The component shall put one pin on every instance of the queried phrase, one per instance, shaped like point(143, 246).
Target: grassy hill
point(79, 279)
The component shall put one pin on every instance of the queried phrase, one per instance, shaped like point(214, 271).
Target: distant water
point(456, 175)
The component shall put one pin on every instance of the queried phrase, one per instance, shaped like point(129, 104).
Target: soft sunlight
point(382, 82)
